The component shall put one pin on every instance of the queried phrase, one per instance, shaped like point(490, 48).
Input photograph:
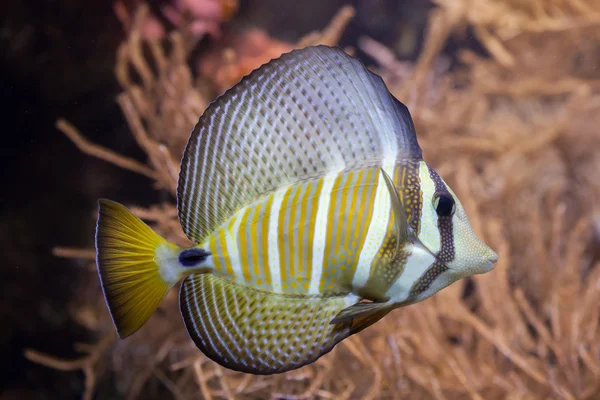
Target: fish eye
point(444, 205)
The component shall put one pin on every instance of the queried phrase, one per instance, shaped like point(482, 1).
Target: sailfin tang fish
point(314, 213)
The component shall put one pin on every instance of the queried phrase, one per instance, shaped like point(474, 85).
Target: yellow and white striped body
point(325, 236)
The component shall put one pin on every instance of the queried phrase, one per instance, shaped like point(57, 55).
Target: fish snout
point(488, 259)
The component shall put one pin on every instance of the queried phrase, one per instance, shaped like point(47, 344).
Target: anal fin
point(360, 323)
point(359, 310)
point(256, 331)
point(362, 315)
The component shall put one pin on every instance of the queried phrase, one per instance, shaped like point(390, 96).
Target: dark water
point(57, 61)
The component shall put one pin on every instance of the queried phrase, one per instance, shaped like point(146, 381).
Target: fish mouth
point(489, 264)
point(486, 267)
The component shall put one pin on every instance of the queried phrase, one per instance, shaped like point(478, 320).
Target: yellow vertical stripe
point(346, 220)
point(311, 227)
point(391, 224)
point(212, 246)
point(369, 202)
point(223, 246)
point(244, 244)
point(352, 214)
point(254, 239)
point(303, 220)
point(389, 231)
point(265, 239)
point(402, 179)
point(330, 225)
point(281, 234)
point(291, 231)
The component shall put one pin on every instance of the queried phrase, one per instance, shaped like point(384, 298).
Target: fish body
point(314, 213)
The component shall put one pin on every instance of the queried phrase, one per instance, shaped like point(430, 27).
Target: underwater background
point(99, 99)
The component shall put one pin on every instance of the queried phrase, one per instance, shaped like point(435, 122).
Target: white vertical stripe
point(377, 226)
point(212, 325)
point(274, 266)
point(219, 317)
point(417, 263)
point(215, 199)
point(209, 175)
point(205, 331)
point(320, 236)
point(429, 233)
point(247, 134)
point(188, 304)
point(190, 208)
point(231, 236)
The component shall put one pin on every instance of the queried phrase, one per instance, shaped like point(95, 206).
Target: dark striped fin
point(303, 115)
point(361, 310)
point(360, 323)
point(258, 332)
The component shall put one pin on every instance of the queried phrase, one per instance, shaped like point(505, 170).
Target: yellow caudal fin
point(126, 259)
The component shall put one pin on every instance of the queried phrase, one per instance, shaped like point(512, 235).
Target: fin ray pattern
point(301, 116)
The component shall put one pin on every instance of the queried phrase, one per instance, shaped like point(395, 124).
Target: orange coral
point(243, 54)
point(236, 56)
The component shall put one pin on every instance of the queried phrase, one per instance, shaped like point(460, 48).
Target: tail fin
point(130, 277)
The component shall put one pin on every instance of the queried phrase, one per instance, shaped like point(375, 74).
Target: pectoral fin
point(405, 234)
point(402, 228)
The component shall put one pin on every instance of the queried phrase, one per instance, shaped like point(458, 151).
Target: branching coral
point(515, 134)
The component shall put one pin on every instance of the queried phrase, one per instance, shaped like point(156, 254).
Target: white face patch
point(429, 233)
point(417, 263)
point(445, 279)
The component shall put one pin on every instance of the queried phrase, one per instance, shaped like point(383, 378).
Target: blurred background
point(98, 101)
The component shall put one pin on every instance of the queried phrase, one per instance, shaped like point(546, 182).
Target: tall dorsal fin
point(307, 113)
